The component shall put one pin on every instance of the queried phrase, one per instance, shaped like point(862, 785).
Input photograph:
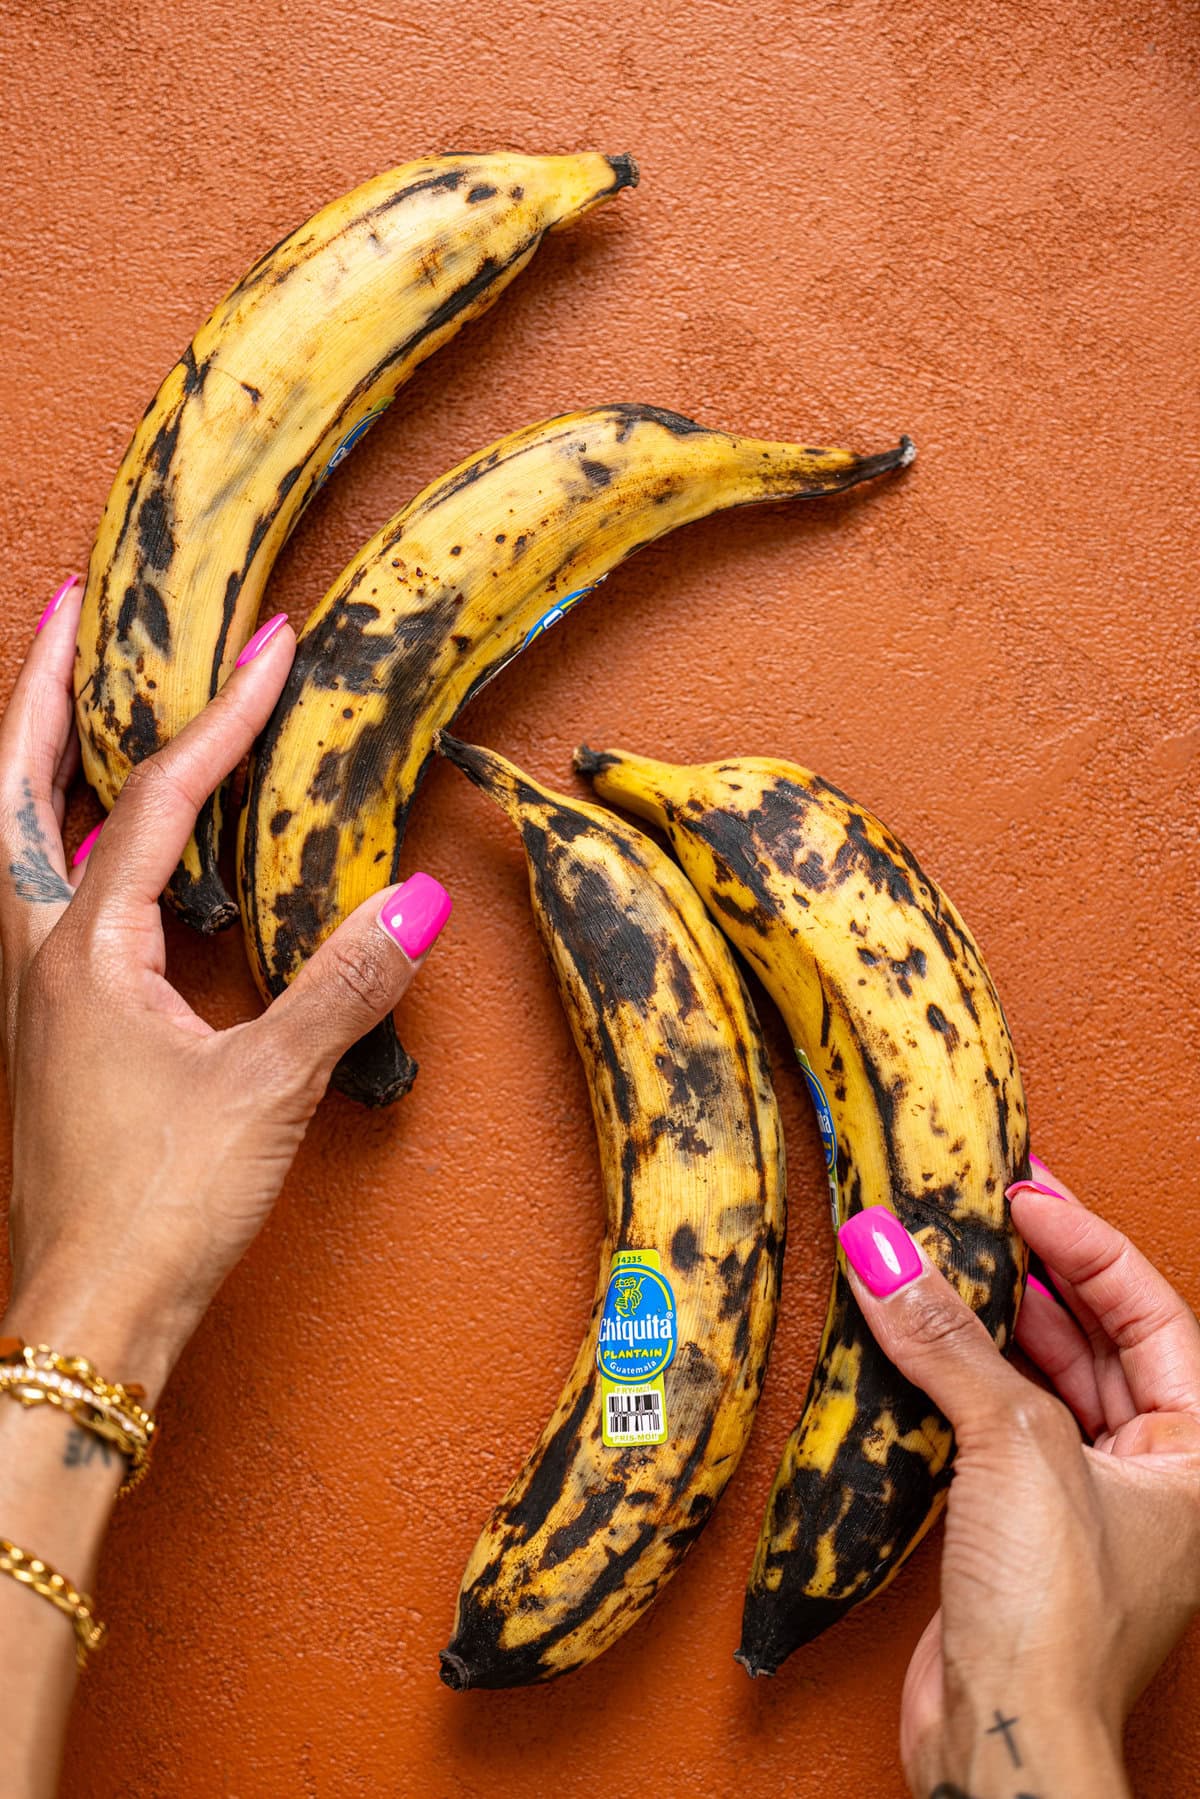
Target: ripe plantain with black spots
point(276, 387)
point(908, 1058)
point(472, 570)
point(658, 1406)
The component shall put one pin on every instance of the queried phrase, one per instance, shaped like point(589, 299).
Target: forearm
point(58, 1483)
point(57, 1486)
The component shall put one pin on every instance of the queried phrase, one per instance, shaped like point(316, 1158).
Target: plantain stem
point(591, 762)
point(490, 772)
point(625, 169)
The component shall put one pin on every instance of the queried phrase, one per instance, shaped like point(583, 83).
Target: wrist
point(1041, 1742)
point(127, 1339)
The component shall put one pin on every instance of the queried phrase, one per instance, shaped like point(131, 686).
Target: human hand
point(1071, 1561)
point(148, 1149)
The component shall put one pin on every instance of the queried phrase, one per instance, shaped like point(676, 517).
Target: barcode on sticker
point(634, 1416)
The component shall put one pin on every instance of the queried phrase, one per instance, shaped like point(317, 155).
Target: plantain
point(282, 379)
point(907, 1055)
point(693, 1166)
point(479, 564)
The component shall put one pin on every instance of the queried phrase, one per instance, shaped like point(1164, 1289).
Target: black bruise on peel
point(341, 653)
point(593, 1515)
point(149, 505)
point(143, 604)
point(674, 422)
point(527, 1514)
point(325, 784)
point(237, 579)
point(686, 1253)
point(596, 931)
point(941, 1024)
point(140, 737)
point(156, 538)
point(859, 854)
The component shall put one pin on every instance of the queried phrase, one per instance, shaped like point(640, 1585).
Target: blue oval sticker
point(638, 1325)
point(824, 1115)
point(351, 438)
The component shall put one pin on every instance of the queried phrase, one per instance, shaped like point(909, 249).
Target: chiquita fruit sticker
point(635, 1347)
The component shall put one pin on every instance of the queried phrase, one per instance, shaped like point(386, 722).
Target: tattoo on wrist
point(33, 874)
point(1006, 1728)
point(82, 1446)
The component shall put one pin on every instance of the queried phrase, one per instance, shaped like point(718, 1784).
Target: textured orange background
point(977, 224)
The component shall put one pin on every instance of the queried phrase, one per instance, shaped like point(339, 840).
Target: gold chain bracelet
point(30, 1571)
point(38, 1375)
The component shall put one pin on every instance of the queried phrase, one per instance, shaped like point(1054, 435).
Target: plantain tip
point(203, 904)
point(625, 169)
point(756, 1670)
point(486, 768)
point(777, 1623)
point(377, 1070)
point(454, 1671)
point(459, 754)
point(220, 917)
point(864, 468)
point(591, 762)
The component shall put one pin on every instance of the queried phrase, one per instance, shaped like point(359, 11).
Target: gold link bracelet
point(40, 1376)
point(30, 1571)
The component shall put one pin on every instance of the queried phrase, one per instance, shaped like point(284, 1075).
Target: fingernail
point(70, 582)
point(1037, 1162)
point(261, 639)
point(415, 914)
point(85, 848)
point(1031, 1280)
point(880, 1250)
point(1031, 1187)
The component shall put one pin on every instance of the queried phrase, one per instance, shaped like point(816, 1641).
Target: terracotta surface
point(974, 224)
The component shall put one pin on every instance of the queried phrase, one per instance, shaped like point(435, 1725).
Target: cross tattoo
point(1003, 1727)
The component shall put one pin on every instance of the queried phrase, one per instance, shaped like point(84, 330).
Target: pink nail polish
point(70, 582)
point(880, 1250)
point(261, 639)
point(1031, 1280)
point(1031, 1187)
point(415, 914)
point(1037, 1162)
point(85, 848)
